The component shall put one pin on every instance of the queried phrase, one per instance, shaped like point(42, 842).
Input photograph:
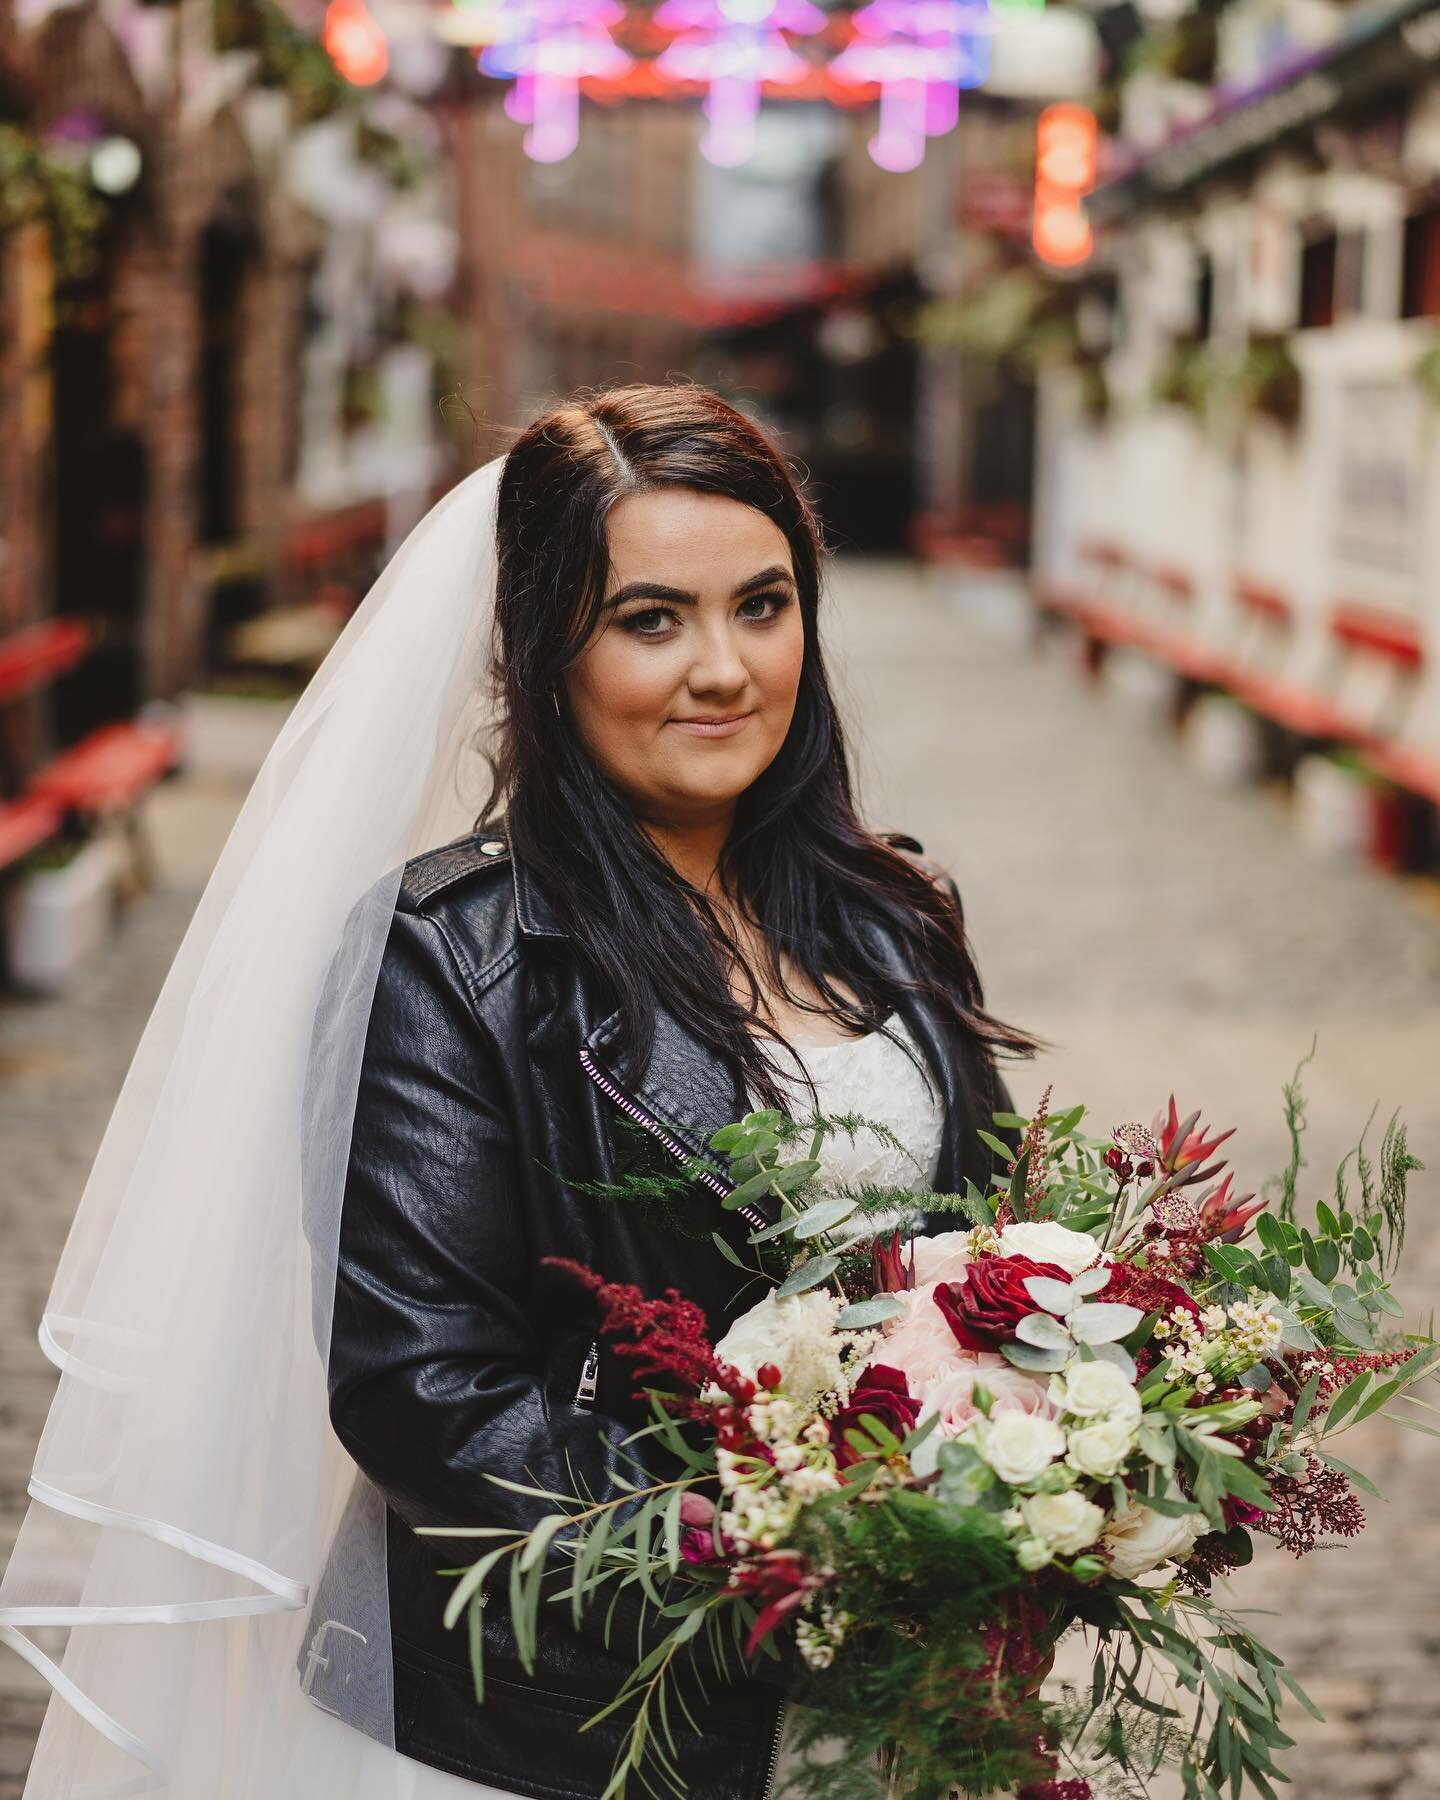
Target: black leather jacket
point(454, 1353)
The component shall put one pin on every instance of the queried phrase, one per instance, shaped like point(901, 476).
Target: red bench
point(107, 771)
point(37, 653)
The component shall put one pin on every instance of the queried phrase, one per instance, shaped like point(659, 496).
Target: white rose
point(1094, 1390)
point(1045, 1241)
point(1100, 1448)
point(1067, 1521)
point(1033, 1553)
point(944, 1257)
point(1139, 1540)
point(797, 1334)
point(1018, 1446)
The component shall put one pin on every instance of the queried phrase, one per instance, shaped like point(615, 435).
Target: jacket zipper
point(774, 1762)
point(748, 1213)
point(589, 1377)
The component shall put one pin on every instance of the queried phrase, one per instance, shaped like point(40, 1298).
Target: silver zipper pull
point(589, 1378)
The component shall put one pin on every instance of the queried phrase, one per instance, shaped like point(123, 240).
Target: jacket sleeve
point(435, 1365)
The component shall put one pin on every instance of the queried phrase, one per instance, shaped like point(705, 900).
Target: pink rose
point(919, 1343)
point(1011, 1390)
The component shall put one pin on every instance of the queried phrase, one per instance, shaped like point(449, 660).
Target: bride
point(302, 1311)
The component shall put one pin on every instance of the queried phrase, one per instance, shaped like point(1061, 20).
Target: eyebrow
point(657, 590)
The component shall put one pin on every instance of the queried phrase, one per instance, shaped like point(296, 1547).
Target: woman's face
point(701, 622)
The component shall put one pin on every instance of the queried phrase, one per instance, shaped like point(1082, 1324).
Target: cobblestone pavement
point(1159, 934)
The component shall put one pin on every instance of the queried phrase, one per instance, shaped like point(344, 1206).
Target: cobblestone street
point(1162, 935)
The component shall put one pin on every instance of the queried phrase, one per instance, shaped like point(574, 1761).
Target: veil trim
point(92, 1714)
point(282, 1594)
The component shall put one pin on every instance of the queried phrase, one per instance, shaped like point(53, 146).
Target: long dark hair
point(797, 861)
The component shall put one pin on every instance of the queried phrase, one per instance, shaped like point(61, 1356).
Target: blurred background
point(1108, 338)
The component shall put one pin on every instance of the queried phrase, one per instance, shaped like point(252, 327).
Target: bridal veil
point(188, 1491)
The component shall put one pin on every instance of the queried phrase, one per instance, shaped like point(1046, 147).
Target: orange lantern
point(1065, 144)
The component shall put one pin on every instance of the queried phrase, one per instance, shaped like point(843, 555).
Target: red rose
point(882, 1391)
point(984, 1309)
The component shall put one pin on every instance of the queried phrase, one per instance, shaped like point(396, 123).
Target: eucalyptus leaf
point(873, 1311)
point(1031, 1356)
point(1103, 1321)
point(809, 1274)
point(1040, 1329)
point(824, 1216)
point(1057, 1297)
point(1090, 1281)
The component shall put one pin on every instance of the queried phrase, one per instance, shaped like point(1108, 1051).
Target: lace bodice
point(873, 1076)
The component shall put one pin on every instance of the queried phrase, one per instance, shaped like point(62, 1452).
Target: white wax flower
point(1018, 1445)
point(1139, 1540)
point(1045, 1241)
point(1095, 1390)
point(1101, 1447)
point(1067, 1521)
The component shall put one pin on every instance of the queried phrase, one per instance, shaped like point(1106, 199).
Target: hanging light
point(921, 53)
point(355, 42)
point(1065, 146)
point(733, 47)
point(544, 48)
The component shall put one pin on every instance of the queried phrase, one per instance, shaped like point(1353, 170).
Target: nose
point(718, 668)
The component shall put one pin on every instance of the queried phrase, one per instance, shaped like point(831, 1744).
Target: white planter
point(1223, 742)
point(57, 919)
point(1140, 682)
point(1334, 810)
point(229, 735)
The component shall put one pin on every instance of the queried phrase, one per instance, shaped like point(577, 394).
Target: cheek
point(624, 681)
point(776, 661)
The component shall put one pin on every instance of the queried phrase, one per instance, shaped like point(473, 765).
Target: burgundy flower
point(882, 1391)
point(1144, 1288)
point(984, 1309)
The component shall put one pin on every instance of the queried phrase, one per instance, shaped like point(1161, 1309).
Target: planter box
point(229, 735)
point(56, 920)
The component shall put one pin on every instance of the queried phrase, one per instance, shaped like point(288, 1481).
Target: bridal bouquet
point(921, 1458)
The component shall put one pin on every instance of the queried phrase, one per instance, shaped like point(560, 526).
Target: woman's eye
point(636, 621)
point(776, 602)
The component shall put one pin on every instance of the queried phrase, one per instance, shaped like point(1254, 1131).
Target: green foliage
point(37, 186)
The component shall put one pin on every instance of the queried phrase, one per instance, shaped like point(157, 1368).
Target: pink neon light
point(545, 47)
point(921, 53)
point(733, 46)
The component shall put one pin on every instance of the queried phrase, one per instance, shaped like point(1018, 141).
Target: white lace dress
point(869, 1075)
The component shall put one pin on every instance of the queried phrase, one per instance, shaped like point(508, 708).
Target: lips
point(716, 726)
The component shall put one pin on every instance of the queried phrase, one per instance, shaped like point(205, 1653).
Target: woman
point(680, 880)
point(373, 1069)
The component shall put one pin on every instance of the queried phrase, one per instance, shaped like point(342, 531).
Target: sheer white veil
point(188, 1492)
